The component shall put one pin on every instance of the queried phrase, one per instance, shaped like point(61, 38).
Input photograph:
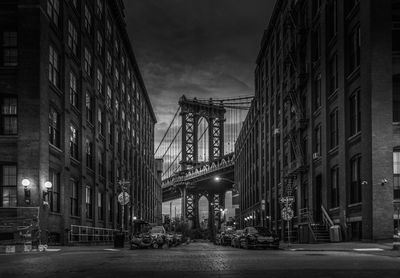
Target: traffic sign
point(288, 199)
point(287, 214)
point(123, 198)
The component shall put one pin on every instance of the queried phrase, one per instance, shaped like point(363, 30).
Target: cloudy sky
point(203, 48)
point(200, 48)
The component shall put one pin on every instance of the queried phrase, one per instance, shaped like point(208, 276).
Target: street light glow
point(48, 185)
point(26, 182)
point(217, 178)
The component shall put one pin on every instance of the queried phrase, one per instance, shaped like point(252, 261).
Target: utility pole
point(170, 216)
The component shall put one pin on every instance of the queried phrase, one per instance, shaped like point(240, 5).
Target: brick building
point(75, 112)
point(324, 123)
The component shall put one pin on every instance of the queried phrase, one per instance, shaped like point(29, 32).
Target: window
point(53, 10)
point(100, 124)
point(317, 140)
point(53, 66)
point(101, 165)
point(396, 98)
point(108, 62)
point(88, 20)
point(304, 195)
point(74, 197)
point(334, 128)
point(8, 186)
point(351, 4)
point(88, 202)
point(100, 206)
point(88, 62)
point(116, 76)
point(396, 174)
point(99, 8)
point(72, 38)
point(54, 127)
point(89, 107)
point(99, 83)
point(332, 75)
point(89, 154)
point(355, 186)
point(54, 191)
point(73, 92)
point(111, 208)
point(355, 113)
point(99, 43)
point(9, 115)
point(108, 30)
point(73, 142)
point(335, 187)
point(354, 49)
point(110, 132)
point(108, 97)
point(317, 92)
point(331, 15)
point(10, 49)
point(316, 5)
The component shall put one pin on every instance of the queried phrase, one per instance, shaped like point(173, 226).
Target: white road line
point(113, 250)
point(52, 250)
point(368, 249)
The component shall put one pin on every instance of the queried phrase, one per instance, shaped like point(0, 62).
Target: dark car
point(141, 240)
point(235, 242)
point(255, 237)
point(218, 238)
point(159, 236)
point(226, 237)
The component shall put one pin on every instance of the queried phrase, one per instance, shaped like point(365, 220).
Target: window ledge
point(75, 161)
point(75, 217)
point(333, 96)
point(355, 73)
point(56, 89)
point(55, 213)
point(333, 151)
point(55, 148)
point(354, 137)
point(354, 205)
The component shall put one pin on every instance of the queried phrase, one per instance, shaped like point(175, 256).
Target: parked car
point(254, 237)
point(159, 236)
point(141, 240)
point(218, 238)
point(235, 242)
point(226, 237)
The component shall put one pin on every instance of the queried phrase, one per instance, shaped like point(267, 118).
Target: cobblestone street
point(197, 260)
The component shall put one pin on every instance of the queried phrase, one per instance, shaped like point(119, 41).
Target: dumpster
point(119, 239)
point(335, 233)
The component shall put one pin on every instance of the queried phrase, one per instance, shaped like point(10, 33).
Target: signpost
point(287, 212)
point(123, 199)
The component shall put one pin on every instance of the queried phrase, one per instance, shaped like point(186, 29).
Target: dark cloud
point(202, 48)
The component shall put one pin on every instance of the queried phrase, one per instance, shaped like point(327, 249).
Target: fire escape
point(295, 58)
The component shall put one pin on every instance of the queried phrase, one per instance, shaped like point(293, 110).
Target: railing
point(326, 219)
point(306, 217)
point(85, 234)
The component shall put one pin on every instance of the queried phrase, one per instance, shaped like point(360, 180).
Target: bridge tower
point(191, 112)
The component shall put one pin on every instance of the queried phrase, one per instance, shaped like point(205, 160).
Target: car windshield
point(157, 229)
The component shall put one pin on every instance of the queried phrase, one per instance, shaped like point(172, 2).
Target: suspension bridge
point(197, 147)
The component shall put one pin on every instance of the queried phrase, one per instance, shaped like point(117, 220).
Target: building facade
point(323, 126)
point(75, 112)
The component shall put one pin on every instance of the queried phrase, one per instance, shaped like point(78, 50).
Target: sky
point(200, 48)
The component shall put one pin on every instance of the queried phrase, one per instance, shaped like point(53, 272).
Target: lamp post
point(47, 185)
point(26, 183)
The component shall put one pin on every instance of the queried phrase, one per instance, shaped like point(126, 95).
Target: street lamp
point(47, 185)
point(218, 179)
point(26, 183)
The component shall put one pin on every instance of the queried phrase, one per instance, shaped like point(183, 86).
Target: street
point(197, 260)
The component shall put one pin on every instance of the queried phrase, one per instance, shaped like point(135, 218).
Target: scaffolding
point(86, 234)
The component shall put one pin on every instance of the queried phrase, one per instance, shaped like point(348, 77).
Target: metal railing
point(86, 234)
point(306, 217)
point(326, 219)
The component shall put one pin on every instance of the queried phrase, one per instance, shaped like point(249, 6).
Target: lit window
point(53, 66)
point(89, 107)
point(89, 154)
point(396, 174)
point(88, 20)
point(99, 7)
point(88, 202)
point(355, 113)
point(99, 43)
point(108, 97)
point(100, 125)
point(54, 191)
point(73, 92)
point(54, 127)
point(74, 198)
point(99, 83)
point(8, 186)
point(88, 62)
point(73, 142)
point(9, 116)
point(355, 187)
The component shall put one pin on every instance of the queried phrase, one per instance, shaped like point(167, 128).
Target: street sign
point(287, 214)
point(123, 198)
point(288, 199)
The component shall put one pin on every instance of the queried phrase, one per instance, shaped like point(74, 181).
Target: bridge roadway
point(202, 179)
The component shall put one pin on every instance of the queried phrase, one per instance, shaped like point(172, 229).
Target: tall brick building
point(74, 112)
point(324, 124)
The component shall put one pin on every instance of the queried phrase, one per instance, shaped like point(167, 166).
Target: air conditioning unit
point(315, 155)
point(276, 131)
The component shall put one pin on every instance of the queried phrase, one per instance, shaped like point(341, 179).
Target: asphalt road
point(197, 260)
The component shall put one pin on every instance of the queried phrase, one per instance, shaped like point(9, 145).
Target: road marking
point(368, 249)
point(52, 250)
point(113, 250)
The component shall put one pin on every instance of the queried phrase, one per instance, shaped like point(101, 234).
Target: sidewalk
point(378, 248)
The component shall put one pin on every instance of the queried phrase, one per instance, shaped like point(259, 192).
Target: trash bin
point(335, 233)
point(119, 239)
